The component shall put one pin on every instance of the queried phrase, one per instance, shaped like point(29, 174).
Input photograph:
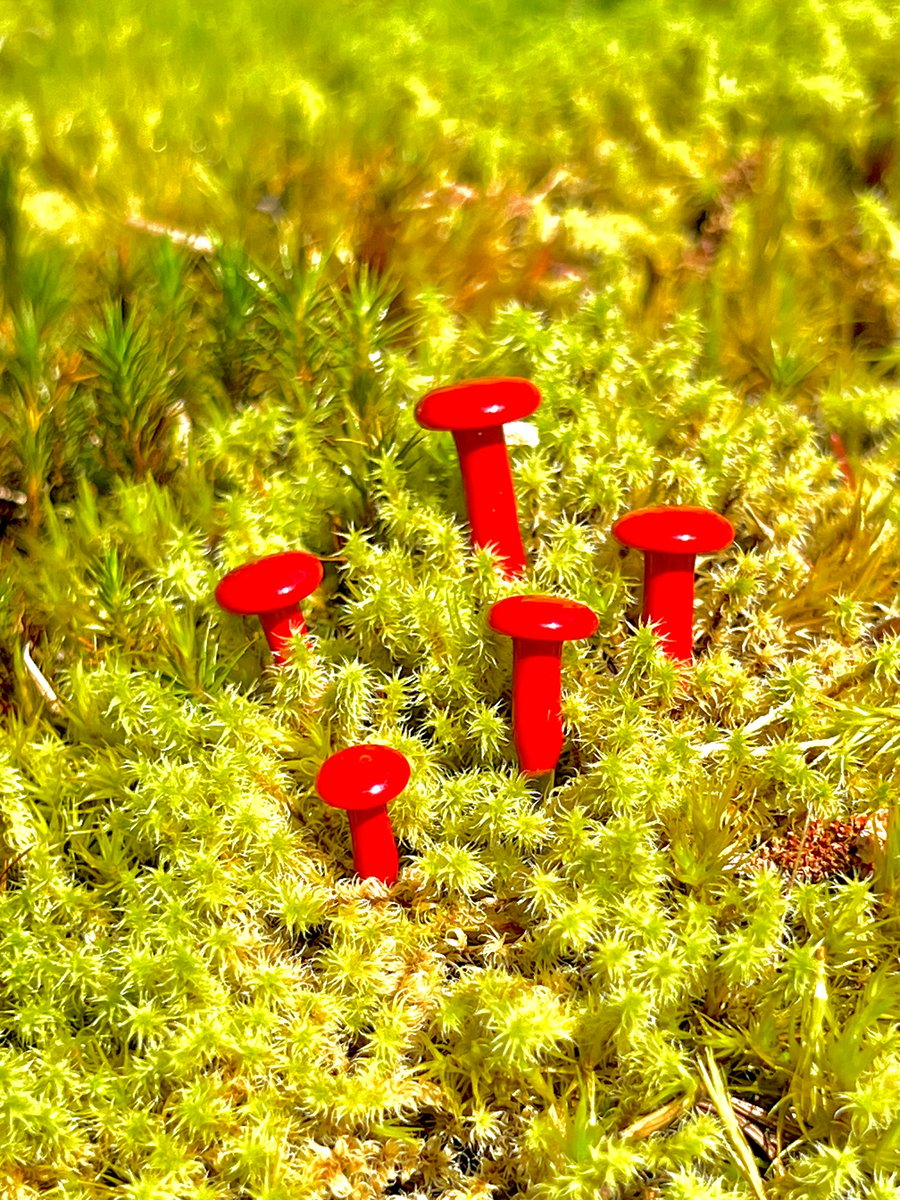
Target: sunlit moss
point(237, 246)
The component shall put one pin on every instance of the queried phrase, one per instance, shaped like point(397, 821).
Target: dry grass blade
point(655, 1121)
point(738, 1144)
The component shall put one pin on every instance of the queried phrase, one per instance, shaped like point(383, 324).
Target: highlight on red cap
point(270, 584)
point(543, 618)
point(478, 404)
point(362, 777)
point(674, 529)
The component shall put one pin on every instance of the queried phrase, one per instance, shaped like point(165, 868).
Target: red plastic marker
point(475, 413)
point(363, 780)
point(538, 626)
point(272, 589)
point(671, 536)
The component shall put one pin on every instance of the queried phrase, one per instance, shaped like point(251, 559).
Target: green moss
point(611, 985)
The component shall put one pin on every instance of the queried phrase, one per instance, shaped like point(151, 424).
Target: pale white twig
point(179, 237)
point(39, 678)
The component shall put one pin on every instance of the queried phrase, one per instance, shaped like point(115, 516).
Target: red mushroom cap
point(478, 404)
point(270, 584)
point(543, 618)
point(362, 777)
point(674, 529)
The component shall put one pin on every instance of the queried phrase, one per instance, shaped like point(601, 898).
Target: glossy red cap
point(674, 529)
point(478, 404)
point(362, 777)
point(543, 618)
point(270, 584)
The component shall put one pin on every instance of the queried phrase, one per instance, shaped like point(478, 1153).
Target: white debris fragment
point(179, 237)
point(520, 433)
point(39, 678)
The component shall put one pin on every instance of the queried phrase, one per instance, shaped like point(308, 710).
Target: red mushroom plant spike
point(671, 536)
point(272, 589)
point(475, 413)
point(363, 780)
point(538, 626)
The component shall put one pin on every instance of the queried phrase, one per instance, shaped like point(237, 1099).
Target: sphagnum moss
point(621, 987)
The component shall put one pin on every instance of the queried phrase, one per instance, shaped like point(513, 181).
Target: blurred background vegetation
point(739, 158)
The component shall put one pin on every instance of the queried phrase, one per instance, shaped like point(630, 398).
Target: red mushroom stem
point(670, 537)
point(538, 626)
point(363, 780)
point(490, 497)
point(536, 704)
point(279, 627)
point(271, 590)
point(475, 412)
point(374, 848)
point(669, 601)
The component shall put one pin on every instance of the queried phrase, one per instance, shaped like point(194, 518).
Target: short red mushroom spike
point(363, 780)
point(538, 626)
point(475, 412)
point(272, 589)
point(671, 536)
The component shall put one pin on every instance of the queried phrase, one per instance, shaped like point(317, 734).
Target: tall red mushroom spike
point(363, 780)
point(538, 626)
point(475, 412)
point(671, 536)
point(272, 589)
